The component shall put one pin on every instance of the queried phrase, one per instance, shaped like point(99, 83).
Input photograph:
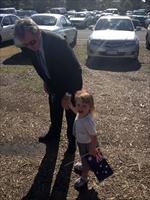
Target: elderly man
point(56, 64)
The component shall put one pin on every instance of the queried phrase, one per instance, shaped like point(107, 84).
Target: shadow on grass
point(17, 59)
point(61, 185)
point(88, 195)
point(42, 185)
point(114, 65)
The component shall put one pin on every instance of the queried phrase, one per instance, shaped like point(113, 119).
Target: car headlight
point(131, 43)
point(96, 42)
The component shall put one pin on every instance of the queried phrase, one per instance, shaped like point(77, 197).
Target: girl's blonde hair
point(85, 97)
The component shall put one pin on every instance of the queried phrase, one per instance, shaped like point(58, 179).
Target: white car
point(58, 24)
point(7, 23)
point(113, 36)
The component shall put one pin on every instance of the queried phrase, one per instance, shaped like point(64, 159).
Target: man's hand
point(66, 101)
point(45, 87)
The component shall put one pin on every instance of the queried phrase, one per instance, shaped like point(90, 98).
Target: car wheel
point(74, 42)
point(147, 43)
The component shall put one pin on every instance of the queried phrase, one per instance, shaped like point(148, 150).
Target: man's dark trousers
point(56, 115)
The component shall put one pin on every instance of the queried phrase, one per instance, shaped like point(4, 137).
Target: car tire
point(147, 43)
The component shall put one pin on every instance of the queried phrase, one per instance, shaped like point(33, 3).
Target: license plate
point(112, 52)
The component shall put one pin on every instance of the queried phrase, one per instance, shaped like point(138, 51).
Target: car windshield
point(114, 24)
point(45, 20)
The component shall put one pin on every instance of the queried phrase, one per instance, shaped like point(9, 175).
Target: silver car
point(58, 24)
point(7, 23)
point(113, 36)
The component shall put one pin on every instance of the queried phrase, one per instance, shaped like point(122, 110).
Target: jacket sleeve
point(70, 68)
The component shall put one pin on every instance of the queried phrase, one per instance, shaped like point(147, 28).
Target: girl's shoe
point(78, 168)
point(81, 183)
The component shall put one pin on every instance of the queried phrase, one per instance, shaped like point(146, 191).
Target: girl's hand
point(96, 152)
point(92, 151)
point(99, 155)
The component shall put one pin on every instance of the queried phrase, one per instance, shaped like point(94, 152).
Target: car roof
point(3, 15)
point(115, 17)
point(48, 14)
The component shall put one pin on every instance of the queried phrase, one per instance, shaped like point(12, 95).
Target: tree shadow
point(88, 194)
point(40, 189)
point(113, 64)
point(17, 59)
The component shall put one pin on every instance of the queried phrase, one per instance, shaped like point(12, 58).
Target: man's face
point(31, 41)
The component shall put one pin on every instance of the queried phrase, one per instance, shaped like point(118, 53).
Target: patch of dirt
point(34, 171)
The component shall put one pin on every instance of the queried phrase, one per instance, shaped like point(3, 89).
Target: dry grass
point(122, 117)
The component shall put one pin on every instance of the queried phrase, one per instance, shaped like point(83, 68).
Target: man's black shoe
point(47, 138)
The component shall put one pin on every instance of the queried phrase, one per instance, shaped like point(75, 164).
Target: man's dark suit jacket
point(63, 67)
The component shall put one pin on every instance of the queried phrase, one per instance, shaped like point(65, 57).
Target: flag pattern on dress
point(101, 168)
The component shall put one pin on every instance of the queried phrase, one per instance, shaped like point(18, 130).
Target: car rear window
point(45, 20)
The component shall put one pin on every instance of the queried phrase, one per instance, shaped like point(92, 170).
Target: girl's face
point(82, 108)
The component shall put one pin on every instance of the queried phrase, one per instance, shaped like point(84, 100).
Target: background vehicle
point(113, 36)
point(112, 11)
point(58, 24)
point(59, 10)
point(7, 23)
point(147, 22)
point(148, 38)
point(7, 11)
point(140, 15)
point(82, 19)
point(25, 13)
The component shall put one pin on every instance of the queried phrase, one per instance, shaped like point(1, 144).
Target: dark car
point(148, 38)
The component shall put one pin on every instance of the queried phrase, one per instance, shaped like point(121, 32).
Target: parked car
point(112, 11)
point(141, 15)
point(136, 23)
point(59, 10)
point(82, 19)
point(113, 36)
point(25, 13)
point(147, 22)
point(148, 38)
point(7, 23)
point(7, 10)
point(58, 24)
